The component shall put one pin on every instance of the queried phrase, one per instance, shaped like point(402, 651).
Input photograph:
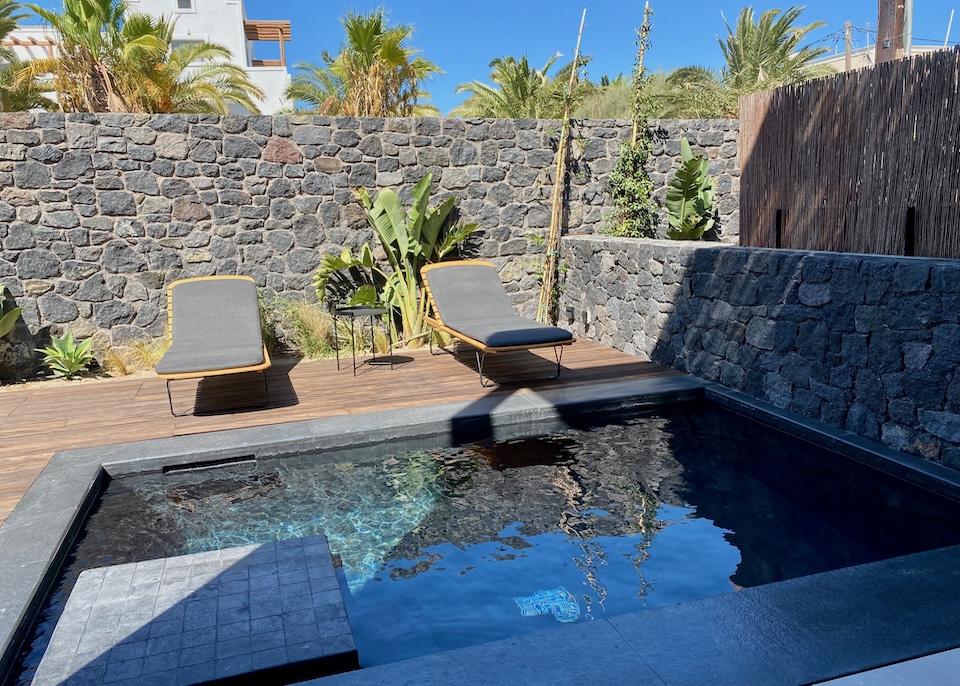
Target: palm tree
point(9, 17)
point(520, 91)
point(374, 75)
point(15, 96)
point(691, 93)
point(192, 78)
point(767, 53)
point(95, 55)
point(108, 63)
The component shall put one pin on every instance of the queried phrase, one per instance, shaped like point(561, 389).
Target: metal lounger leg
point(170, 398)
point(557, 353)
point(480, 358)
point(266, 395)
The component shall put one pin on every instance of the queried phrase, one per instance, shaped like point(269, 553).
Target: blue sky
point(462, 38)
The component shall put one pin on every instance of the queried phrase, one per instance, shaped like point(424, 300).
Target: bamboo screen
point(865, 161)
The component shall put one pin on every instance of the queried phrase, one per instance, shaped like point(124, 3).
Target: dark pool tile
point(227, 632)
point(268, 640)
point(198, 654)
point(715, 641)
point(233, 665)
point(265, 659)
point(120, 671)
point(196, 673)
point(589, 653)
point(163, 644)
point(199, 637)
point(807, 629)
point(233, 647)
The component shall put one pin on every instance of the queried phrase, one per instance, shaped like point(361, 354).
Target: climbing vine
point(629, 183)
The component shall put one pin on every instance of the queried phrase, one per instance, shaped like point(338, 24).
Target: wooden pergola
point(262, 30)
point(46, 43)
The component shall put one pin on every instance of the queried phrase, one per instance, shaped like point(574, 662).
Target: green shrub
point(65, 357)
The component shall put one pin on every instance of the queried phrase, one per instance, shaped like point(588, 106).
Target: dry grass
point(138, 356)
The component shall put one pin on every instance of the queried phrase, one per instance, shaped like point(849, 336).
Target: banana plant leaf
point(9, 320)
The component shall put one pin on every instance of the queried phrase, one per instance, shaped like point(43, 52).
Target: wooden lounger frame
point(482, 350)
point(262, 367)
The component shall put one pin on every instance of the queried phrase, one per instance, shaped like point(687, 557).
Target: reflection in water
point(437, 545)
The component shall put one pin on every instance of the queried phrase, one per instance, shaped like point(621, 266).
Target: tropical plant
point(10, 14)
point(689, 200)
point(766, 53)
point(111, 61)
point(8, 320)
point(22, 95)
point(374, 75)
point(691, 93)
point(520, 91)
point(410, 240)
point(16, 96)
point(65, 357)
point(194, 78)
point(97, 55)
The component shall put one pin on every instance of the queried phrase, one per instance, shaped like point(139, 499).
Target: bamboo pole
point(553, 242)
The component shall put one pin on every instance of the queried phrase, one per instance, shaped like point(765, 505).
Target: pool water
point(451, 547)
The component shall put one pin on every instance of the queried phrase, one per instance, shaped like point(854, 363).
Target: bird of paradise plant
point(411, 239)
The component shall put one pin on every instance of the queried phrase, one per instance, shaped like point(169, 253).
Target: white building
point(218, 21)
point(861, 58)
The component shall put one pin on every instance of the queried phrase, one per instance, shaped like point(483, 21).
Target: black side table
point(354, 313)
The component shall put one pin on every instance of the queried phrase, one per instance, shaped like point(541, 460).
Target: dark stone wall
point(98, 213)
point(867, 343)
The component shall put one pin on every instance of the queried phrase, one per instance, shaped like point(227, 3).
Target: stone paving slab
point(273, 610)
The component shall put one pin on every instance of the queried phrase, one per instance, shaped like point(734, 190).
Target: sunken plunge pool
point(448, 547)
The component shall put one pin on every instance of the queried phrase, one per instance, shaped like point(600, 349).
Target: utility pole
point(889, 30)
point(907, 27)
point(848, 47)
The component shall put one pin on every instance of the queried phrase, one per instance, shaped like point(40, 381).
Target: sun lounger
point(469, 302)
point(214, 328)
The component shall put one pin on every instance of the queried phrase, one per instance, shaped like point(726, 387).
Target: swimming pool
point(445, 547)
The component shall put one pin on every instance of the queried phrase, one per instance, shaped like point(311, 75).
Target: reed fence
point(865, 161)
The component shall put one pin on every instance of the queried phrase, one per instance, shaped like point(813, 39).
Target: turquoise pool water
point(443, 548)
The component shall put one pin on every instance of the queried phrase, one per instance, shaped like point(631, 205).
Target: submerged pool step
point(272, 613)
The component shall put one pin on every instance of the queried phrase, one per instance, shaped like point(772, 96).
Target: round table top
point(360, 311)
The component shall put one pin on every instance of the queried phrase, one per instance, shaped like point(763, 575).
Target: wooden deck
point(38, 421)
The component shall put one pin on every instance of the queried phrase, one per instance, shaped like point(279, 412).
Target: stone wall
point(99, 212)
point(862, 342)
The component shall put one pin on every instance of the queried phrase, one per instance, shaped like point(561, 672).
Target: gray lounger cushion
point(216, 325)
point(470, 299)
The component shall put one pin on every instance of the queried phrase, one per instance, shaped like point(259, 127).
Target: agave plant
point(690, 197)
point(8, 320)
point(65, 357)
point(410, 240)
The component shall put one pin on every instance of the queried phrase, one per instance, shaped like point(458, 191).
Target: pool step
point(272, 612)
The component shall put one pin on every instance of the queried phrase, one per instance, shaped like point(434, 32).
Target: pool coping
point(34, 538)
